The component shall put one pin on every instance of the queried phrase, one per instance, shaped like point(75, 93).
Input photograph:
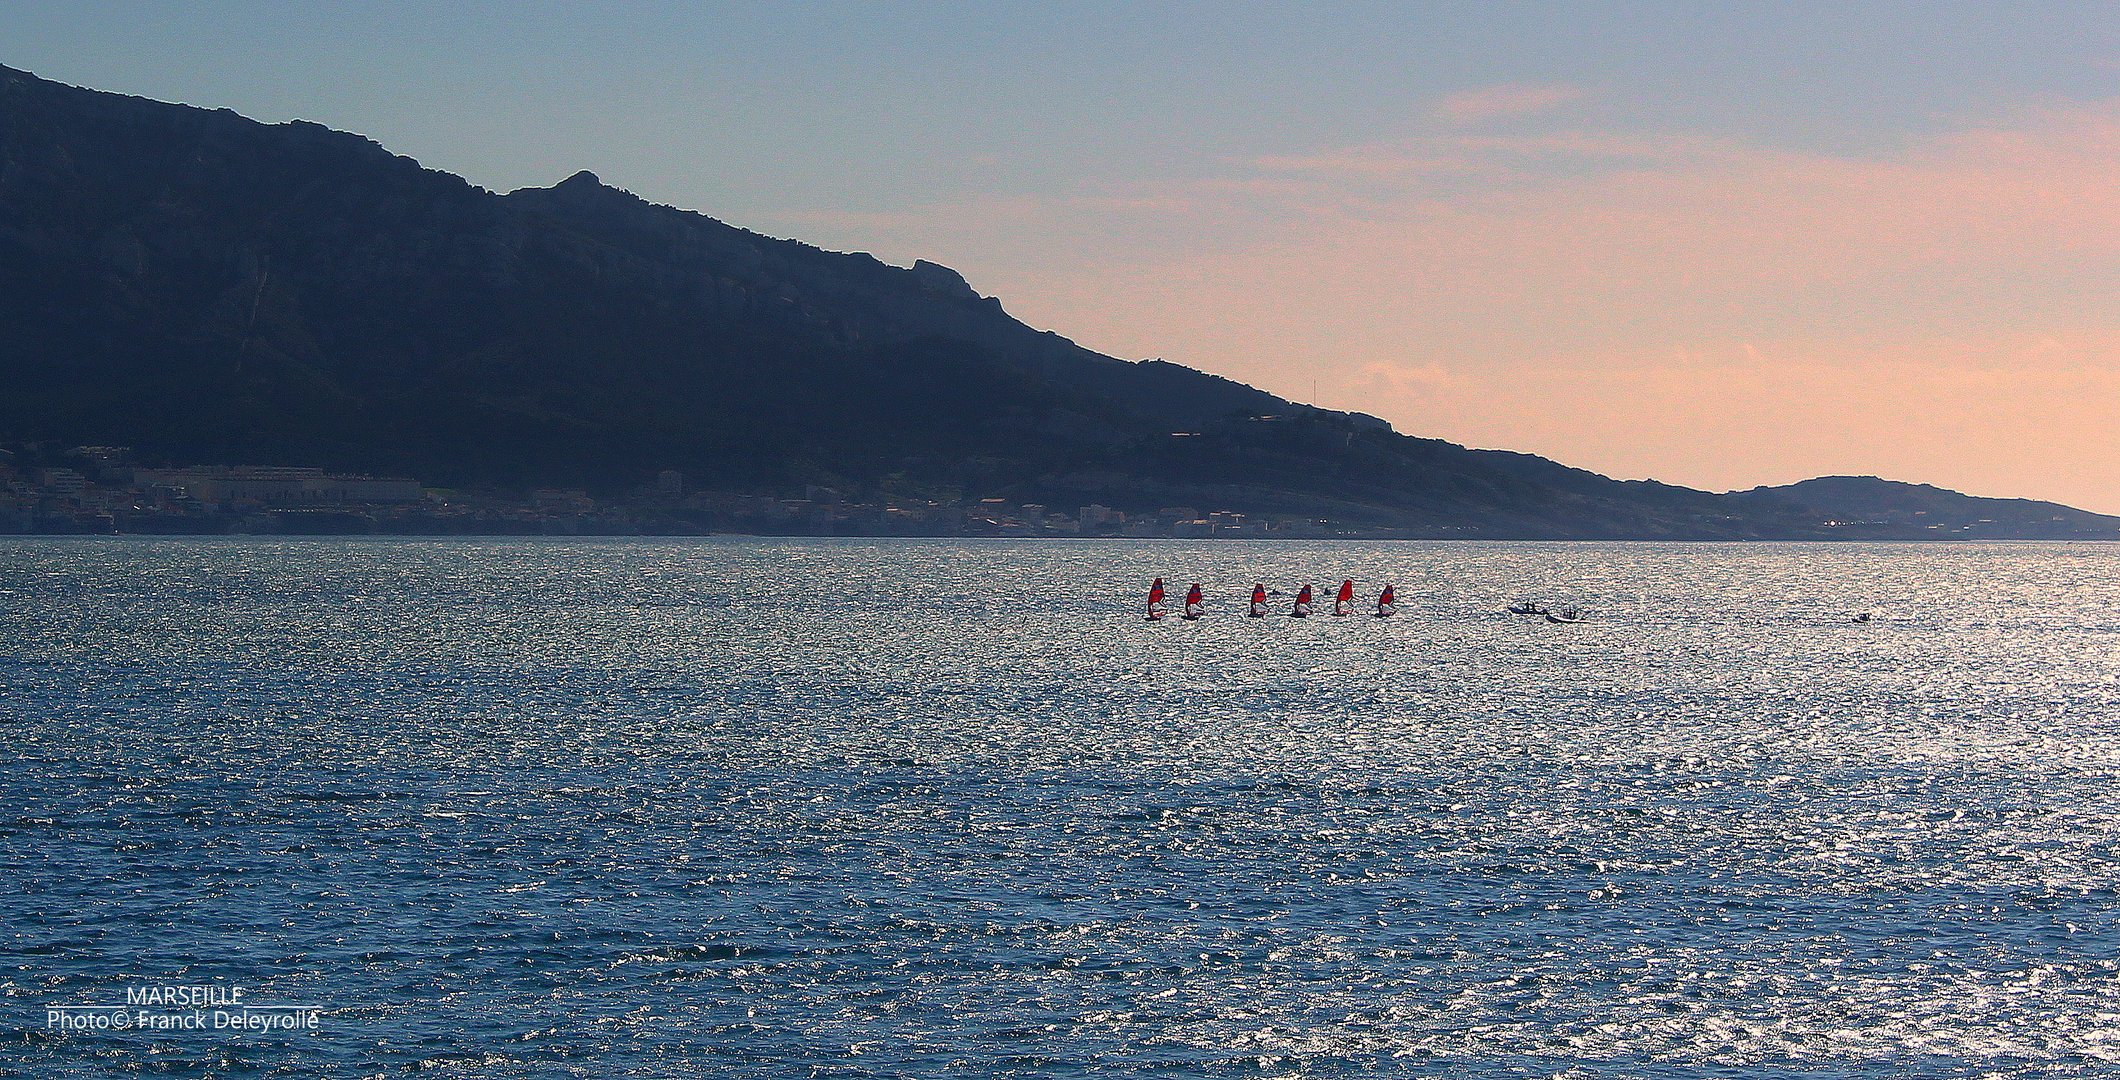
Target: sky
point(1719, 245)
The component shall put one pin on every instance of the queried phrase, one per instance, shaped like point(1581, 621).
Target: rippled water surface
point(935, 808)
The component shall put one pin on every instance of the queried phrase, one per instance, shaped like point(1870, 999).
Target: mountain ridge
point(204, 287)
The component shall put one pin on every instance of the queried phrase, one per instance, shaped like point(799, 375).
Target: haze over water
point(856, 808)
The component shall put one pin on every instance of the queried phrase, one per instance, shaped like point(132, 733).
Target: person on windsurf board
point(1194, 607)
point(1343, 605)
point(1155, 601)
point(1302, 608)
point(1258, 601)
point(1387, 603)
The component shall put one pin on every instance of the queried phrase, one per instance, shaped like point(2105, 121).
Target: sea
point(946, 808)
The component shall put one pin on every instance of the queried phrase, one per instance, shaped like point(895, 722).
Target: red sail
point(1258, 594)
point(1388, 596)
point(1193, 597)
point(1155, 592)
point(1346, 592)
point(1304, 596)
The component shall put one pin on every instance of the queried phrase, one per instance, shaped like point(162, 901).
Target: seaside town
point(101, 489)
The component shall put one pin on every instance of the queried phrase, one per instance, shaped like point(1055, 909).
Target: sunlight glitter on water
point(853, 808)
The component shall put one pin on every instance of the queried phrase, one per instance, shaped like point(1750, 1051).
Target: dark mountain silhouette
point(1865, 507)
point(205, 288)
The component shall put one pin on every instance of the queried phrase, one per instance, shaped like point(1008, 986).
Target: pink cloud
point(1503, 102)
point(1381, 160)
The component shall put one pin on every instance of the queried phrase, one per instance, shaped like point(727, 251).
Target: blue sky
point(874, 106)
point(1649, 239)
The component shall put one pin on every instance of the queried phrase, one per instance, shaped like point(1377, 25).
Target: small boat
point(1258, 601)
point(1343, 604)
point(1387, 603)
point(1862, 616)
point(1565, 615)
point(1194, 608)
point(1155, 601)
point(1302, 608)
point(1526, 607)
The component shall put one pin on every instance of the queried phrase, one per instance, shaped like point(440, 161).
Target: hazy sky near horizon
point(1716, 244)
